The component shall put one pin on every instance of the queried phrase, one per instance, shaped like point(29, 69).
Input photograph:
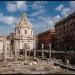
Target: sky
point(42, 14)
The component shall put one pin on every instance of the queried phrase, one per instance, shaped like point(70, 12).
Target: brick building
point(65, 33)
point(46, 38)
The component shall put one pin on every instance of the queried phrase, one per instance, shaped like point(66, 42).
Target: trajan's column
point(24, 38)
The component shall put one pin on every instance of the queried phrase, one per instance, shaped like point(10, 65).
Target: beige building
point(2, 40)
point(4, 48)
point(16, 43)
point(24, 38)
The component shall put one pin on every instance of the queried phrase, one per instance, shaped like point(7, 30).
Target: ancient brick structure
point(46, 38)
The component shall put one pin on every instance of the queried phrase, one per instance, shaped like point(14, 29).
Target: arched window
point(25, 45)
point(31, 32)
point(18, 31)
point(25, 31)
point(8, 48)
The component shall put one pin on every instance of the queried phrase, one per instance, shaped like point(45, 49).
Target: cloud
point(39, 9)
point(1, 14)
point(60, 7)
point(72, 5)
point(43, 23)
point(6, 31)
point(10, 20)
point(7, 24)
point(65, 12)
point(36, 13)
point(38, 5)
point(11, 7)
point(19, 5)
point(40, 2)
point(57, 18)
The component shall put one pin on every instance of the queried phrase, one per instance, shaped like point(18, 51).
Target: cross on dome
point(23, 15)
point(23, 21)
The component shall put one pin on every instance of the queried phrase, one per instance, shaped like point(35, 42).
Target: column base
point(5, 61)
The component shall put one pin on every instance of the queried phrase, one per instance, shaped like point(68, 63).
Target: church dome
point(23, 21)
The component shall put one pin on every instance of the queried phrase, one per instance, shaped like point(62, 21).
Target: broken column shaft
point(49, 50)
point(25, 54)
point(34, 52)
point(42, 50)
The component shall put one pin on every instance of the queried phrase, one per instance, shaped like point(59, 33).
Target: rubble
point(25, 63)
point(30, 67)
point(30, 63)
point(34, 62)
point(39, 68)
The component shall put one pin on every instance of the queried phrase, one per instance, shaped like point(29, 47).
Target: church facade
point(23, 39)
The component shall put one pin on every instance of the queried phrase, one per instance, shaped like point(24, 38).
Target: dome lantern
point(23, 21)
point(23, 15)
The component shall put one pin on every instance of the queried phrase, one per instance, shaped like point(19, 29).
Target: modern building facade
point(65, 33)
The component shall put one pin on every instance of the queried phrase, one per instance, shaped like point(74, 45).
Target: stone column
point(34, 51)
point(42, 50)
point(15, 55)
point(25, 54)
point(28, 48)
point(67, 63)
point(50, 50)
point(15, 50)
point(4, 50)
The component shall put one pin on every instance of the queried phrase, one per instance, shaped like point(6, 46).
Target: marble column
point(34, 51)
point(25, 54)
point(42, 50)
point(15, 50)
point(50, 50)
point(4, 50)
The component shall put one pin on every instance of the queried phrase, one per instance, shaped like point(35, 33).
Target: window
point(31, 32)
point(8, 48)
point(64, 30)
point(25, 31)
point(18, 31)
point(25, 45)
point(74, 25)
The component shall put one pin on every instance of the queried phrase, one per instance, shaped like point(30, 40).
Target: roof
point(23, 21)
point(52, 31)
point(2, 38)
point(65, 19)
